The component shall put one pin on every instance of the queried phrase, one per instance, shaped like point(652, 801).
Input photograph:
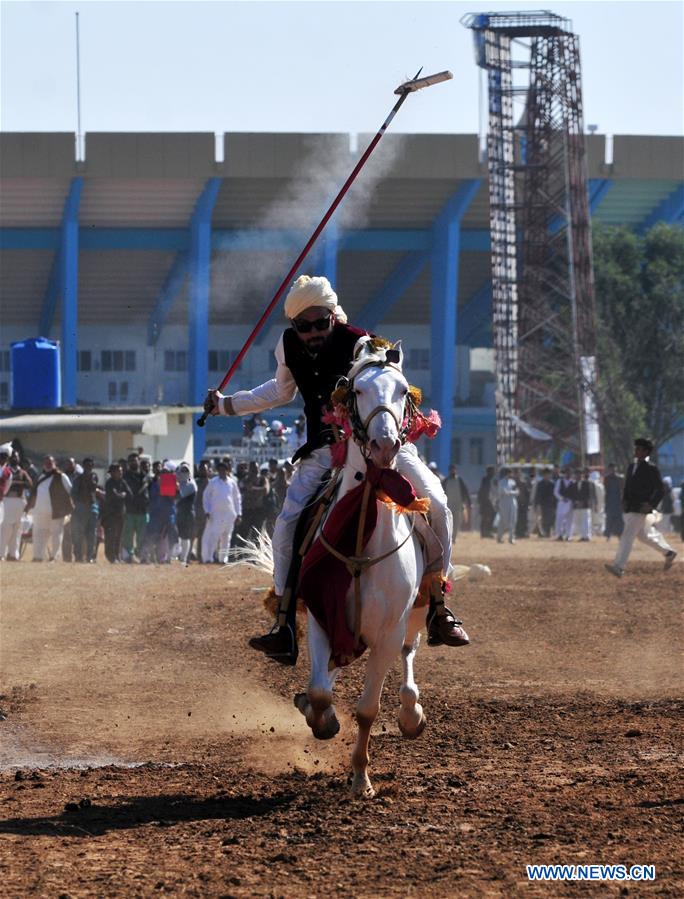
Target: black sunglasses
point(303, 326)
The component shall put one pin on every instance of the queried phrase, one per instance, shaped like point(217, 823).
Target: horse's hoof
point(331, 729)
point(363, 790)
point(300, 702)
point(413, 734)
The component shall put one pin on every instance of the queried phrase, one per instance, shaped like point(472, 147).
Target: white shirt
point(43, 506)
point(278, 391)
point(222, 498)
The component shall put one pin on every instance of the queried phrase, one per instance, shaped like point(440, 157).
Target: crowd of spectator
point(146, 511)
point(142, 511)
point(563, 504)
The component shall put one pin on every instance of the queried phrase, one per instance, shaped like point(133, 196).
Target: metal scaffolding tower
point(542, 274)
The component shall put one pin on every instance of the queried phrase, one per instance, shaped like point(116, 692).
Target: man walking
point(643, 491)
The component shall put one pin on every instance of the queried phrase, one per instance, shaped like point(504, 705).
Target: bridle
point(360, 425)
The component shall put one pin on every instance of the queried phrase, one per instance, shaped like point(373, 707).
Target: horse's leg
point(412, 721)
point(377, 666)
point(316, 704)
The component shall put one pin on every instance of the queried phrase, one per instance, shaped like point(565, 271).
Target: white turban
point(6, 449)
point(307, 292)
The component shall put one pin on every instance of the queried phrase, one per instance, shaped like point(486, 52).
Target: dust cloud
point(238, 278)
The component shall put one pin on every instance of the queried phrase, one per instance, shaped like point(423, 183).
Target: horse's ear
point(340, 395)
point(397, 354)
point(363, 346)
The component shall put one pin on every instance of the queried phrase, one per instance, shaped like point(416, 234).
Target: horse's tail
point(257, 552)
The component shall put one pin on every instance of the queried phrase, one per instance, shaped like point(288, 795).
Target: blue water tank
point(36, 374)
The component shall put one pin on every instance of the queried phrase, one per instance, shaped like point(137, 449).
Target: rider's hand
point(211, 402)
point(214, 405)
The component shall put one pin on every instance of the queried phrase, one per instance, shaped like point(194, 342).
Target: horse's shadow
point(85, 820)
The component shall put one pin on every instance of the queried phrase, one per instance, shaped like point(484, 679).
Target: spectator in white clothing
point(222, 505)
point(598, 518)
point(563, 491)
point(5, 477)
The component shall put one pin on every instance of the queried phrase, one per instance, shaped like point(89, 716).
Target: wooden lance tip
point(417, 84)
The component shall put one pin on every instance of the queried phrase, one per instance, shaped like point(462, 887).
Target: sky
point(313, 66)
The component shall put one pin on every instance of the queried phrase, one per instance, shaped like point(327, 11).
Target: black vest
point(316, 377)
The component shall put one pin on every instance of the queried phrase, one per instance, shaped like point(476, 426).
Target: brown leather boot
point(443, 628)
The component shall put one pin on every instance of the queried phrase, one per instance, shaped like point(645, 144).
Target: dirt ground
point(145, 749)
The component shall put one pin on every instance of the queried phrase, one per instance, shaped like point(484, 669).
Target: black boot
point(280, 644)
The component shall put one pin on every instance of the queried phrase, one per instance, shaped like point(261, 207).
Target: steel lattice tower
point(542, 274)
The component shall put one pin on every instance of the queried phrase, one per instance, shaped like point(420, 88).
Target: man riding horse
point(312, 355)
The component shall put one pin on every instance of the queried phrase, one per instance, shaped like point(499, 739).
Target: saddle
point(323, 564)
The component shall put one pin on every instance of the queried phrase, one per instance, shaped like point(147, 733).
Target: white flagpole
point(79, 135)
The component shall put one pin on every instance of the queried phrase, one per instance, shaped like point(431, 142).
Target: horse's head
point(377, 399)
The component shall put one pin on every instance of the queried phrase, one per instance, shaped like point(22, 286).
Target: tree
point(640, 305)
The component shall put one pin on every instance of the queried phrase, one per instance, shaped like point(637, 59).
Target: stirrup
point(279, 644)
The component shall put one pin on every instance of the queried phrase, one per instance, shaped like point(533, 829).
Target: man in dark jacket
point(545, 503)
point(484, 499)
point(642, 493)
point(458, 498)
point(87, 496)
point(583, 503)
point(137, 505)
point(613, 484)
point(117, 494)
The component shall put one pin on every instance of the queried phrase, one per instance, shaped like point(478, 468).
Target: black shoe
point(279, 645)
point(669, 559)
point(446, 630)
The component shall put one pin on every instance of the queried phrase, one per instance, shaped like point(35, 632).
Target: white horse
point(389, 623)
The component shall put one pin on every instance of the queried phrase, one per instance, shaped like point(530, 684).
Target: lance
point(408, 87)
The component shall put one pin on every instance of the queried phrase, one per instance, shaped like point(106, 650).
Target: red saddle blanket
point(324, 580)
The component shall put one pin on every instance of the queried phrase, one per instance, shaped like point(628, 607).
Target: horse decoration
point(367, 556)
